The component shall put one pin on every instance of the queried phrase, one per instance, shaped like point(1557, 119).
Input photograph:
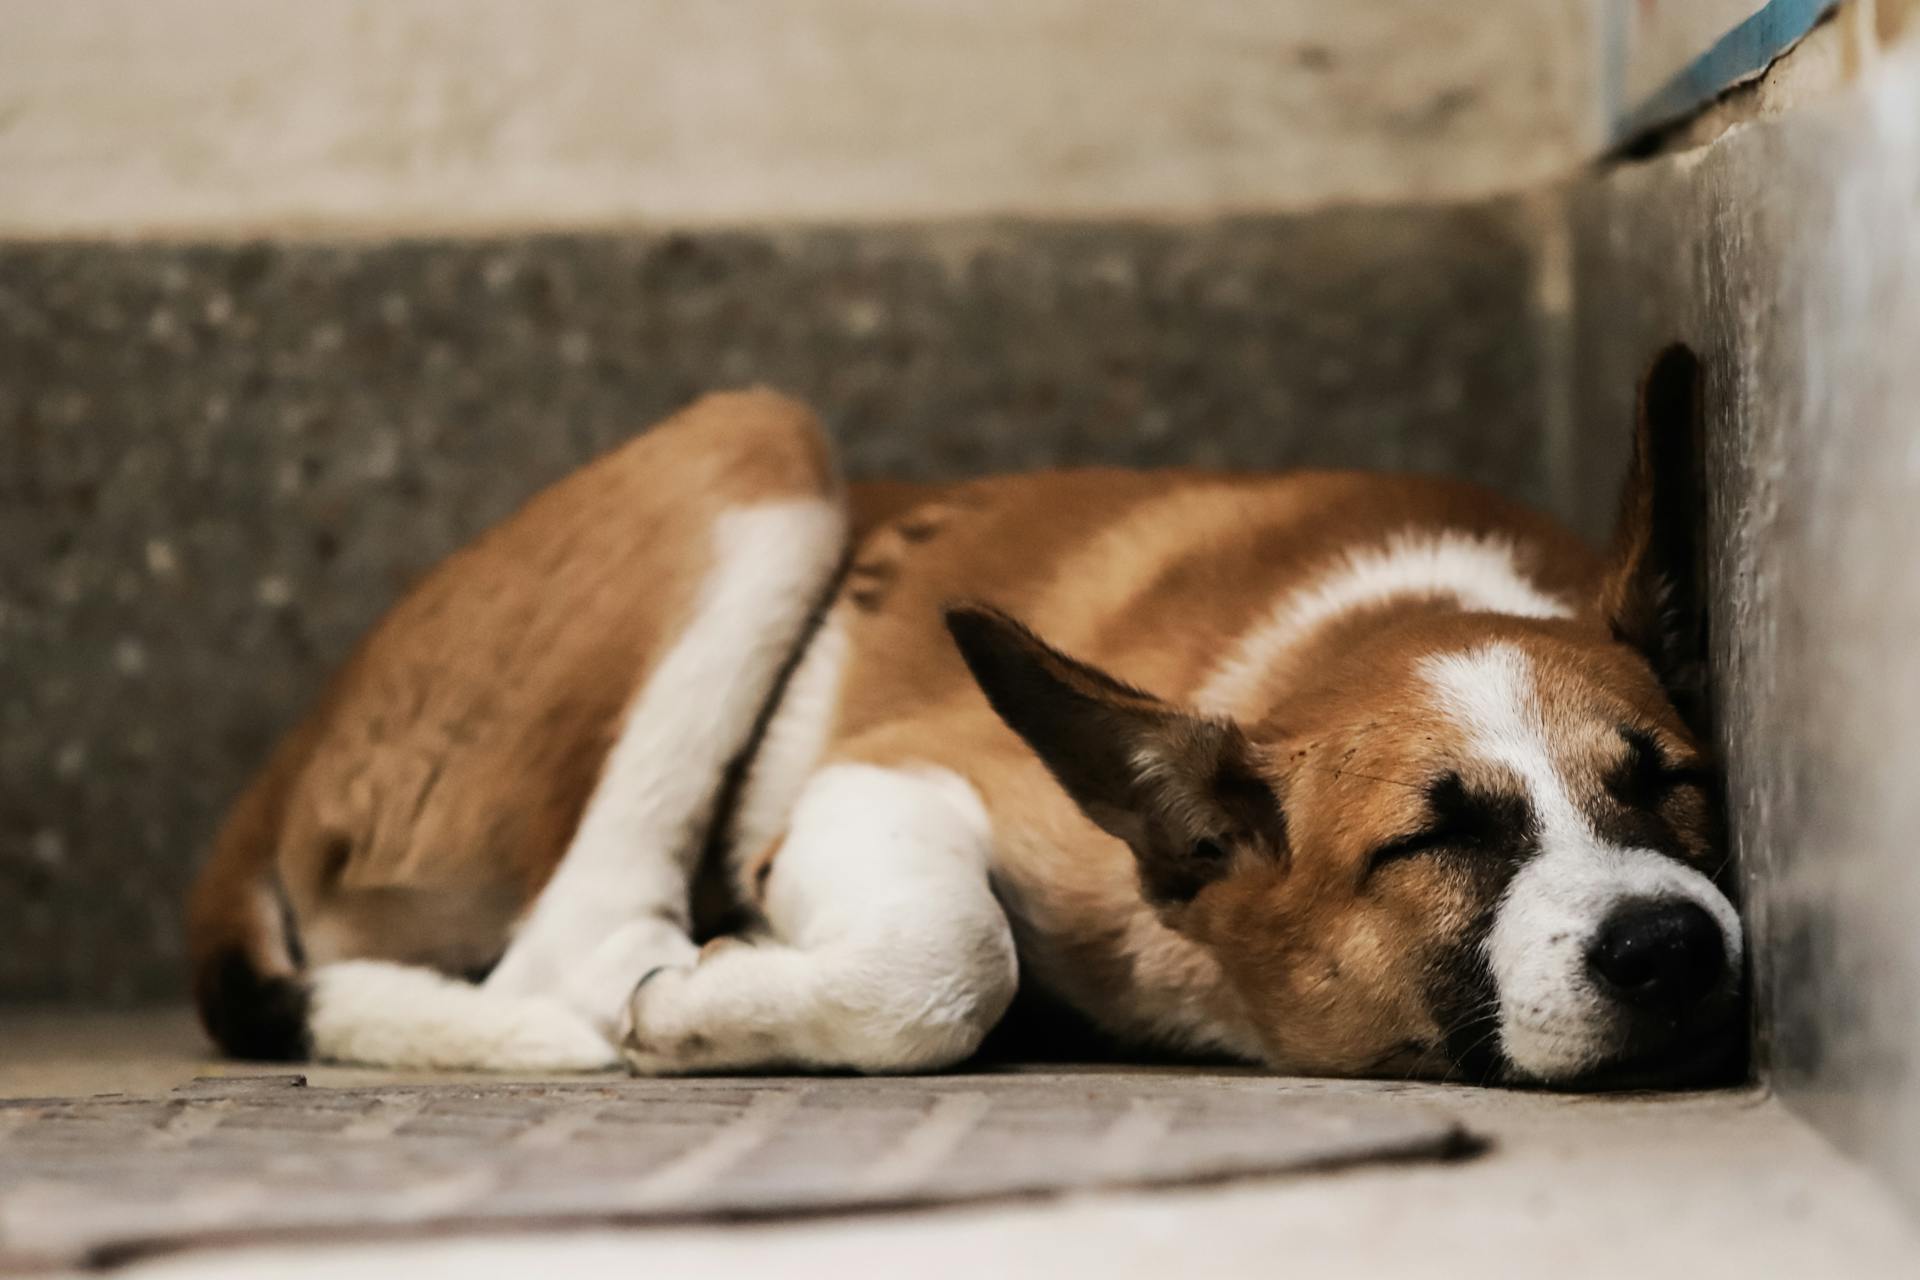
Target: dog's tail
point(242, 946)
point(258, 999)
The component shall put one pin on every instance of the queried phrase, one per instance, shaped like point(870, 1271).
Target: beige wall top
point(362, 116)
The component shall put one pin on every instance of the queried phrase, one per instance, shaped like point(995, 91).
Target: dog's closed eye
point(1645, 776)
point(1429, 840)
point(1459, 821)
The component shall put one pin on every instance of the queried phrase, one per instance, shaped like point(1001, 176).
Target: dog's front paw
point(651, 1043)
point(722, 1013)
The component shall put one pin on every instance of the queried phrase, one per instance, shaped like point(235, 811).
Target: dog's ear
point(1180, 789)
point(1653, 594)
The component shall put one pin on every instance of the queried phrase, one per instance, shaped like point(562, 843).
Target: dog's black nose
point(1661, 955)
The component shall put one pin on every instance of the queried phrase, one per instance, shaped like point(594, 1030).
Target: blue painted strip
point(1744, 50)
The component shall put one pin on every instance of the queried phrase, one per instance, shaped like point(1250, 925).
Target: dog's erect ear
point(1180, 789)
point(1653, 595)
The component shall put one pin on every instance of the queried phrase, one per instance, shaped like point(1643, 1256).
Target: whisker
point(1484, 1010)
point(1487, 1007)
point(1461, 1060)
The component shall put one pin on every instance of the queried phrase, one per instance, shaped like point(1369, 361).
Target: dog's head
point(1479, 846)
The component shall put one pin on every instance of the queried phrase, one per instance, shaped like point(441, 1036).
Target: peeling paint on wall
point(1667, 58)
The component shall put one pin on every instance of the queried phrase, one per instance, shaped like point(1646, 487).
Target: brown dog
point(1349, 774)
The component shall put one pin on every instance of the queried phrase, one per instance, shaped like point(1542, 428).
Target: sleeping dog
point(707, 763)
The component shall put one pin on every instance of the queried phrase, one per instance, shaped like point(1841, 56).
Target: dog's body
point(1403, 799)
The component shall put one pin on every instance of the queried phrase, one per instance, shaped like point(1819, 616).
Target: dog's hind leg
point(593, 665)
point(888, 949)
point(619, 903)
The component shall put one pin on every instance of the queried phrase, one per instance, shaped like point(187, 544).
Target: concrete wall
point(208, 117)
point(1787, 250)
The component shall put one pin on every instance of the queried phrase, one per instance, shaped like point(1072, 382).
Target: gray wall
point(1788, 252)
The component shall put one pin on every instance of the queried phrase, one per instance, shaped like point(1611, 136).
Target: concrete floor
point(1683, 1185)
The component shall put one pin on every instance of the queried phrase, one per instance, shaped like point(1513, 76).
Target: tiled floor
point(1693, 1185)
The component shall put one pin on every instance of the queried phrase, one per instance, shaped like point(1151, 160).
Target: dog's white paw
point(550, 1041)
point(686, 1018)
point(650, 1042)
point(369, 1011)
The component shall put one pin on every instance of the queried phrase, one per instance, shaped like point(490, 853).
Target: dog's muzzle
point(1615, 968)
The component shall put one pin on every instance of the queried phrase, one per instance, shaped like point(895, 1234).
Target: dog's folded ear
point(1653, 594)
point(1181, 789)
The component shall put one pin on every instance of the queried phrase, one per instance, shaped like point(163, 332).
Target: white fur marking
point(1480, 572)
point(1554, 1023)
point(631, 859)
point(1489, 690)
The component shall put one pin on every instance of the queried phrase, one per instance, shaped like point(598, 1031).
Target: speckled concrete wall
point(218, 463)
point(1788, 252)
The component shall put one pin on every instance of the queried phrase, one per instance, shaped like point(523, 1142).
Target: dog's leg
point(618, 904)
point(889, 951)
